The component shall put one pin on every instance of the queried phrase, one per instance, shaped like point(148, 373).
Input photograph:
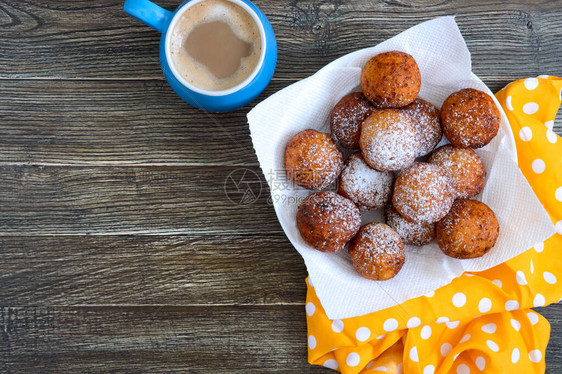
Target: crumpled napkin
point(445, 65)
point(481, 322)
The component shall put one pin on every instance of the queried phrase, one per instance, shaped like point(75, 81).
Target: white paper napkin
point(445, 66)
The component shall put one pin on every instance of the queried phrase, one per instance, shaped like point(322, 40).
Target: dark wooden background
point(119, 249)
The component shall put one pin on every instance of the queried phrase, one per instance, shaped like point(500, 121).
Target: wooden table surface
point(120, 250)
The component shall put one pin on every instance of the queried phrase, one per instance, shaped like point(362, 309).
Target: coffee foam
point(241, 23)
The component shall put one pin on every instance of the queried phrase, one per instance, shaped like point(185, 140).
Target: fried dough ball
point(389, 140)
point(423, 193)
point(428, 124)
point(377, 252)
point(391, 79)
point(327, 221)
point(312, 159)
point(468, 231)
point(366, 187)
point(463, 166)
point(470, 118)
point(411, 232)
point(347, 117)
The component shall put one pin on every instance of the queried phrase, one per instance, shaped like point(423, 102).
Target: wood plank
point(153, 339)
point(553, 355)
point(154, 200)
point(117, 122)
point(234, 339)
point(80, 39)
point(120, 123)
point(141, 270)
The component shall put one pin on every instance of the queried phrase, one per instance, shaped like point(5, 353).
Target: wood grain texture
point(156, 200)
point(157, 270)
point(117, 123)
point(153, 339)
point(169, 339)
point(80, 39)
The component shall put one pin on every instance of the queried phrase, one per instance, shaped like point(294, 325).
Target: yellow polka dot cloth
point(480, 322)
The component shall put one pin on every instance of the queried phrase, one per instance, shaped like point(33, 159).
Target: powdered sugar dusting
point(377, 249)
point(312, 159)
point(327, 221)
point(428, 124)
point(389, 140)
point(463, 166)
point(470, 118)
point(366, 187)
point(411, 232)
point(347, 117)
point(423, 193)
point(469, 230)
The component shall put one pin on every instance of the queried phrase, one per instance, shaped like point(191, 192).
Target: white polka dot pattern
point(531, 83)
point(515, 355)
point(425, 332)
point(526, 134)
point(489, 328)
point(530, 108)
point(362, 334)
point(459, 299)
point(538, 166)
point(414, 354)
point(549, 277)
point(429, 369)
point(310, 308)
point(516, 324)
point(390, 325)
point(413, 322)
point(511, 305)
point(533, 317)
point(463, 369)
point(353, 359)
point(331, 364)
point(535, 355)
point(311, 342)
point(337, 325)
point(520, 276)
point(480, 363)
point(465, 338)
point(492, 345)
point(508, 103)
point(539, 300)
point(551, 136)
point(446, 349)
point(484, 305)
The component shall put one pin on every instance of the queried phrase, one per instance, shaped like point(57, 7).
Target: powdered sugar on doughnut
point(333, 216)
point(366, 187)
point(377, 251)
point(347, 117)
point(423, 193)
point(312, 159)
point(411, 232)
point(470, 118)
point(463, 166)
point(389, 140)
point(428, 124)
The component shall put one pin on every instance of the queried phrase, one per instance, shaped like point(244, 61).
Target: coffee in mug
point(215, 45)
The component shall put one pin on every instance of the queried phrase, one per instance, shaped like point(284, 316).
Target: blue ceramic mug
point(217, 101)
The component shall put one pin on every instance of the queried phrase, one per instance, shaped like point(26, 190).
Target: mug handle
point(149, 13)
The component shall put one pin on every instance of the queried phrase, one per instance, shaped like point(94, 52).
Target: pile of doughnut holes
point(425, 192)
